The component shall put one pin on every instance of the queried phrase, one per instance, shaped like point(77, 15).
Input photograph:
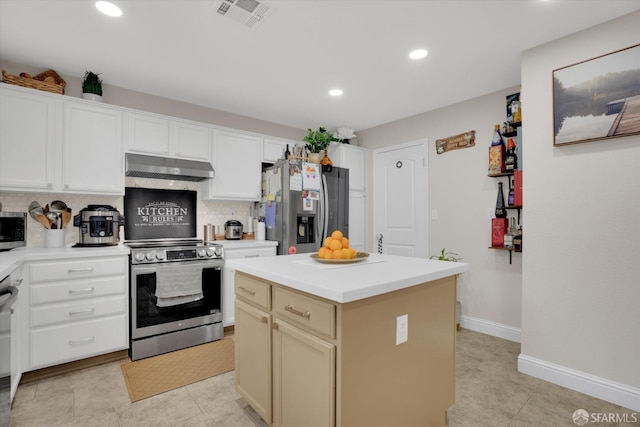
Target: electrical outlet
point(402, 329)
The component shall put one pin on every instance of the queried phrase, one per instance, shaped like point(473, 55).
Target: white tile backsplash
point(209, 211)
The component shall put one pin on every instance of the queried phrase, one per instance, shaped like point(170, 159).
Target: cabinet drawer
point(64, 343)
point(252, 290)
point(77, 289)
point(77, 310)
point(74, 269)
point(318, 316)
point(249, 253)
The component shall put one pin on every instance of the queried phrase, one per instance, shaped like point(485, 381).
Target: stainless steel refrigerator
point(301, 208)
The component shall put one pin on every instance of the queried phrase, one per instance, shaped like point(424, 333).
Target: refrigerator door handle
point(324, 217)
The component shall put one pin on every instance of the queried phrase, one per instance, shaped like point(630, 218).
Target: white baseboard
point(491, 328)
point(601, 388)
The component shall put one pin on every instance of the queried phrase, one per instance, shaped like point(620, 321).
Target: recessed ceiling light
point(108, 9)
point(418, 54)
point(335, 92)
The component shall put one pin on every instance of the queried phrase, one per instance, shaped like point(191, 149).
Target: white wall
point(462, 193)
point(581, 269)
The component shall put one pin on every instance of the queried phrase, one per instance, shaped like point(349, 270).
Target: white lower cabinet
point(77, 309)
point(228, 275)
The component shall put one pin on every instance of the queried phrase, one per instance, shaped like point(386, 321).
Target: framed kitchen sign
point(598, 98)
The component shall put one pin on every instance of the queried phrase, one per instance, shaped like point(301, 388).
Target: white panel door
point(400, 200)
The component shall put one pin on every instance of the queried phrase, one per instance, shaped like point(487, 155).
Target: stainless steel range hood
point(144, 166)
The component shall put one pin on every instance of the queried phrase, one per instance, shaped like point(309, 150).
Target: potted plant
point(317, 142)
point(92, 86)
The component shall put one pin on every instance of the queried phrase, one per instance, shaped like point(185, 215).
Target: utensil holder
point(208, 233)
point(54, 238)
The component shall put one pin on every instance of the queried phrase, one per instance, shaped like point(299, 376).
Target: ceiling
point(281, 69)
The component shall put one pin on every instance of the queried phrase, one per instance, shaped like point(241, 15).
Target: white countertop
point(246, 243)
point(343, 283)
point(9, 260)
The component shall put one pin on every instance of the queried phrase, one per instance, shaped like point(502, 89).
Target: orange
point(327, 241)
point(346, 253)
point(345, 242)
point(335, 244)
point(322, 253)
point(337, 254)
point(352, 253)
point(337, 234)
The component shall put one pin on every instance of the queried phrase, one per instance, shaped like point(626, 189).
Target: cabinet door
point(352, 158)
point(253, 358)
point(27, 138)
point(273, 149)
point(237, 163)
point(191, 141)
point(148, 134)
point(93, 155)
point(303, 378)
point(357, 218)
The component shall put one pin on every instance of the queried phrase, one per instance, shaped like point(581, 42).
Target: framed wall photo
point(598, 98)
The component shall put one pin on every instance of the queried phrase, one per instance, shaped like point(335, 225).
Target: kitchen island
point(364, 344)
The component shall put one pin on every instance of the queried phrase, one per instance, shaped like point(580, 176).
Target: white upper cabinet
point(54, 143)
point(236, 160)
point(191, 140)
point(93, 154)
point(27, 137)
point(148, 133)
point(273, 149)
point(166, 136)
point(352, 158)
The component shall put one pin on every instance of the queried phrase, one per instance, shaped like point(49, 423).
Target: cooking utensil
point(66, 217)
point(42, 219)
point(53, 219)
point(36, 212)
point(58, 206)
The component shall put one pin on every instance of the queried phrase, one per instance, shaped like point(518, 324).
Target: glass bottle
point(287, 153)
point(511, 158)
point(511, 196)
point(510, 234)
point(517, 240)
point(501, 211)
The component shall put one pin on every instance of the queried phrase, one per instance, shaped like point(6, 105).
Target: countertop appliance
point(175, 279)
point(307, 204)
point(8, 331)
point(99, 225)
point(13, 230)
point(233, 230)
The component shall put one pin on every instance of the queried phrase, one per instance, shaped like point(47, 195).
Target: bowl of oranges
point(336, 250)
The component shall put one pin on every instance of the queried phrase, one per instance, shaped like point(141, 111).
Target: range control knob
point(219, 252)
point(139, 256)
point(202, 253)
point(211, 252)
point(160, 255)
point(150, 256)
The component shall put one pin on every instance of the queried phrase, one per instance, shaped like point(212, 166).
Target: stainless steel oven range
point(175, 295)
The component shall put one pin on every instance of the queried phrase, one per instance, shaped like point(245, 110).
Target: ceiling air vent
point(247, 12)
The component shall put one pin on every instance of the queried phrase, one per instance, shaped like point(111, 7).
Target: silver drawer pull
point(82, 312)
point(82, 341)
point(305, 314)
point(252, 256)
point(81, 291)
point(247, 290)
point(80, 270)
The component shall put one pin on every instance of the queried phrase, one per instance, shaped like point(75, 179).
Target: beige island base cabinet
point(305, 360)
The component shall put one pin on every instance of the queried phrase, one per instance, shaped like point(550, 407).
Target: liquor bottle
point(517, 240)
point(287, 153)
point(496, 153)
point(510, 234)
point(511, 196)
point(501, 211)
point(511, 157)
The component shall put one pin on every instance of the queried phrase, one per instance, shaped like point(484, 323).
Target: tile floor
point(489, 392)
